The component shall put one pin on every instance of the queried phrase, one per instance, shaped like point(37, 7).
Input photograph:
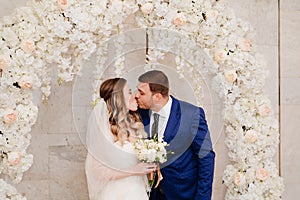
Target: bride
point(112, 169)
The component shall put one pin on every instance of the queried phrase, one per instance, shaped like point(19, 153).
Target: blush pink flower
point(179, 19)
point(230, 76)
point(245, 45)
point(25, 82)
point(14, 157)
point(10, 116)
point(264, 110)
point(4, 61)
point(261, 174)
point(27, 46)
point(62, 4)
point(219, 55)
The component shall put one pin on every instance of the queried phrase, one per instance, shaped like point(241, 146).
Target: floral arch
point(65, 33)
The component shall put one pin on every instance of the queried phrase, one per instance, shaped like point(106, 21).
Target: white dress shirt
point(164, 114)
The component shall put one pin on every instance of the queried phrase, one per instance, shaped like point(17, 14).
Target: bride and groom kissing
point(121, 117)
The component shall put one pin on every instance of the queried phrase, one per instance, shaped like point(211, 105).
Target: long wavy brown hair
point(121, 120)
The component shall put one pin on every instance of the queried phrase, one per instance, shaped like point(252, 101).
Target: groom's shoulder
point(189, 109)
point(186, 105)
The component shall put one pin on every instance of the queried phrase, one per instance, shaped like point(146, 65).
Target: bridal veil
point(104, 155)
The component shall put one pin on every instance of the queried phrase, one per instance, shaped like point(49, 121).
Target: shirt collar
point(165, 111)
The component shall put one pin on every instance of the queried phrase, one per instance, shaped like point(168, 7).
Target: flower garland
point(61, 34)
point(9, 192)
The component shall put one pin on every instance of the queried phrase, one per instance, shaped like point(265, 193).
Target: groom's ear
point(158, 96)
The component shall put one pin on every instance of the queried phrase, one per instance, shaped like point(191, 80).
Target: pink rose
point(9, 117)
point(62, 4)
point(264, 110)
point(179, 19)
point(261, 174)
point(251, 136)
point(4, 61)
point(14, 157)
point(239, 179)
point(220, 55)
point(245, 45)
point(230, 76)
point(27, 46)
point(25, 82)
point(147, 8)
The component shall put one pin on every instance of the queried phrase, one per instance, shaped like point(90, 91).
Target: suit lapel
point(145, 115)
point(173, 121)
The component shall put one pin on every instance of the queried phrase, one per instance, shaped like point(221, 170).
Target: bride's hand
point(143, 168)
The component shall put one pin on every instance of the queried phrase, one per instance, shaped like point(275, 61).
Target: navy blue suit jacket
point(188, 173)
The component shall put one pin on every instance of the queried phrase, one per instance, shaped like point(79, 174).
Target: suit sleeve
point(202, 148)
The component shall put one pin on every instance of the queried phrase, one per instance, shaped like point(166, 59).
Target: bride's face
point(129, 98)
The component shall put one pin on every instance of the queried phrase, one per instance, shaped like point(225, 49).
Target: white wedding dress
point(105, 159)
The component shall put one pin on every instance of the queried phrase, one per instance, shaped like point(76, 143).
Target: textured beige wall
point(58, 169)
point(290, 96)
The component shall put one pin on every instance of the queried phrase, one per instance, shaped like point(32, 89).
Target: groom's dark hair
point(157, 80)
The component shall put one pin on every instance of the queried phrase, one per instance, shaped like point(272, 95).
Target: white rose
point(239, 179)
point(261, 174)
point(147, 8)
point(179, 19)
point(25, 82)
point(14, 157)
point(251, 136)
point(4, 61)
point(151, 155)
point(27, 46)
point(230, 76)
point(9, 116)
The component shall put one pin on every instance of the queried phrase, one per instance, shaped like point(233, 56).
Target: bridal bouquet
point(152, 151)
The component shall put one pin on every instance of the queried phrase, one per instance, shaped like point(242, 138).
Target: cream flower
point(9, 191)
point(25, 82)
point(10, 116)
point(239, 179)
point(251, 136)
point(211, 14)
point(261, 174)
point(230, 76)
point(219, 55)
point(14, 157)
point(245, 45)
point(264, 110)
point(27, 46)
point(4, 61)
point(179, 19)
point(147, 8)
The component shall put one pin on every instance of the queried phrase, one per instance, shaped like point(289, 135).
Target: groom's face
point(144, 96)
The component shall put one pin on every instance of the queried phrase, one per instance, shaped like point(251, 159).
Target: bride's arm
point(104, 172)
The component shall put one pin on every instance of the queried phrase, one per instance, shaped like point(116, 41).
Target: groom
point(188, 173)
